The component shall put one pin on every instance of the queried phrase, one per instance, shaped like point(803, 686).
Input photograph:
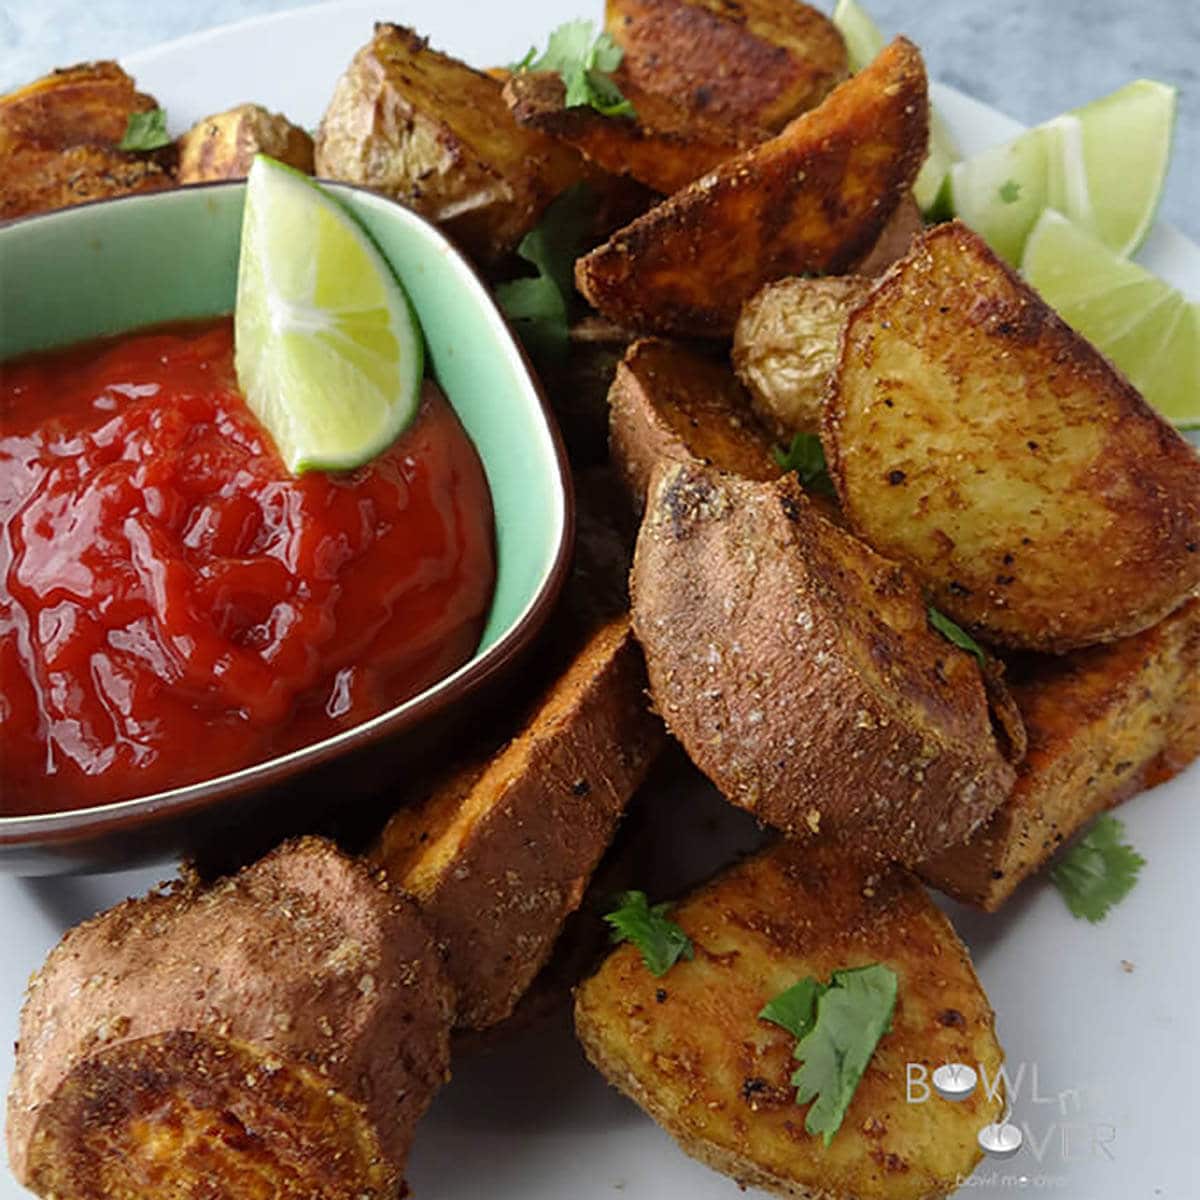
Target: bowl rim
point(68, 825)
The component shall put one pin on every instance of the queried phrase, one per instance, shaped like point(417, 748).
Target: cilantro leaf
point(1010, 191)
point(1098, 871)
point(796, 1009)
point(584, 60)
point(954, 633)
point(853, 1013)
point(540, 306)
point(145, 131)
point(806, 457)
point(660, 940)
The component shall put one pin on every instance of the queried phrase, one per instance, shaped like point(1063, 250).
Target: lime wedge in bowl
point(1150, 330)
point(329, 354)
point(1102, 166)
point(864, 40)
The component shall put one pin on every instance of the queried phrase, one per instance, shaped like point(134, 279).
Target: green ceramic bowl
point(117, 265)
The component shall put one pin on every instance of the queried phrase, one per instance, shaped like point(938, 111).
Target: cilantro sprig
point(585, 61)
point(661, 941)
point(956, 634)
point(540, 306)
point(837, 1027)
point(1099, 871)
point(145, 131)
point(806, 457)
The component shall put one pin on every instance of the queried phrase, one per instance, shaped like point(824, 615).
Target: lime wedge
point(329, 354)
point(1102, 166)
point(1144, 325)
point(864, 40)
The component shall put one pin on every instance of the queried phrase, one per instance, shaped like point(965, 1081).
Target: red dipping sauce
point(174, 605)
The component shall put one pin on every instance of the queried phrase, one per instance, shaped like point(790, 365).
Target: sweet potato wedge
point(812, 200)
point(691, 1050)
point(663, 147)
point(976, 438)
point(275, 1035)
point(669, 402)
point(750, 62)
point(798, 670)
point(224, 145)
point(786, 346)
point(1103, 724)
point(499, 855)
point(58, 141)
point(436, 135)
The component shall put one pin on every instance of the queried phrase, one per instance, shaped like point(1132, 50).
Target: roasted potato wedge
point(798, 670)
point(691, 1050)
point(751, 62)
point(1103, 724)
point(976, 438)
point(500, 853)
point(272, 1037)
point(436, 135)
point(224, 145)
point(812, 200)
point(786, 346)
point(663, 147)
point(58, 141)
point(669, 402)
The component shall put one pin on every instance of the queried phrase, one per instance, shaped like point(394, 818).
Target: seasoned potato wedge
point(1103, 724)
point(750, 62)
point(436, 135)
point(691, 1050)
point(499, 854)
point(977, 439)
point(58, 141)
point(275, 1035)
point(224, 145)
point(669, 402)
point(812, 200)
point(798, 670)
point(786, 344)
point(663, 147)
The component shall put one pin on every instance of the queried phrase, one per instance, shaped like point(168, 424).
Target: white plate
point(532, 1121)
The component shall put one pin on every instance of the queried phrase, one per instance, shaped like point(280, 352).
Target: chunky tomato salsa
point(174, 604)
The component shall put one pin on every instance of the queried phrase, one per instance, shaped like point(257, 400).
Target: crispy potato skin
point(1103, 724)
point(500, 854)
point(690, 1049)
point(58, 139)
point(786, 347)
point(224, 145)
point(436, 135)
point(757, 62)
point(797, 669)
point(147, 1034)
point(669, 402)
point(812, 200)
point(975, 437)
point(664, 147)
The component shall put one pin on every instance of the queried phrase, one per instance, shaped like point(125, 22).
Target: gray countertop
point(1029, 58)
